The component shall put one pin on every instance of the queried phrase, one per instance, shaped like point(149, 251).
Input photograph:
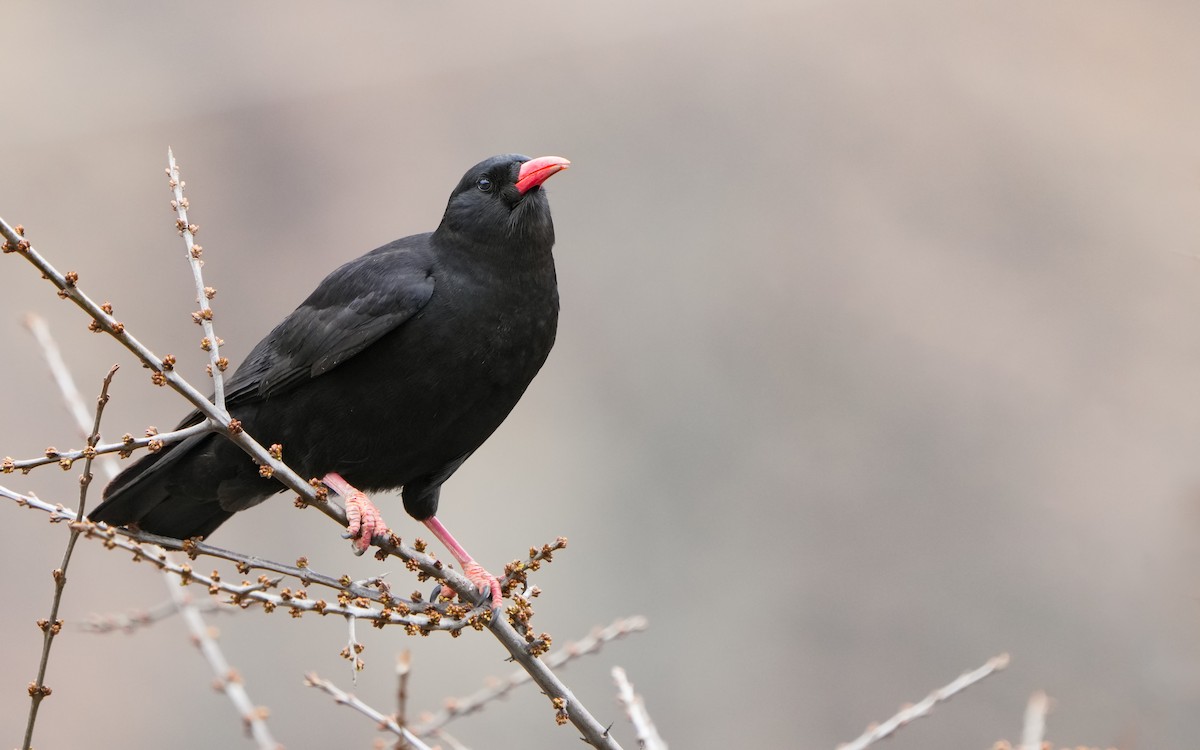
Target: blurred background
point(879, 352)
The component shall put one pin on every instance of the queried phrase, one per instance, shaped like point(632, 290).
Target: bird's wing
point(350, 310)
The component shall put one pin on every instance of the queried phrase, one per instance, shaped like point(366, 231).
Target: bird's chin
point(531, 216)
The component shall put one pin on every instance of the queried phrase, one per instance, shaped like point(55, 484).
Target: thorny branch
point(50, 626)
point(524, 649)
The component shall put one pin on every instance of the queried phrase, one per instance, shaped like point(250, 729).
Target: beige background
point(879, 352)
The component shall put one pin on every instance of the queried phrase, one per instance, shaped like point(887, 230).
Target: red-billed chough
point(393, 371)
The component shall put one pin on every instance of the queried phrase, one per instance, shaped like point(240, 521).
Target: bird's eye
point(484, 184)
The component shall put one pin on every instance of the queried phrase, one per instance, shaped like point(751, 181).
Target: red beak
point(536, 171)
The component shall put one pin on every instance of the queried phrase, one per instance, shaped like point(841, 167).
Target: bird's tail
point(148, 494)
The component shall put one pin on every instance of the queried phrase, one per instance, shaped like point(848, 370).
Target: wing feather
point(350, 310)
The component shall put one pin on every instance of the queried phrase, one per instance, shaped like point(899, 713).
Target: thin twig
point(128, 622)
point(228, 681)
point(52, 625)
point(403, 670)
point(155, 441)
point(904, 716)
point(647, 735)
point(353, 649)
point(191, 614)
point(72, 398)
point(459, 707)
point(164, 373)
point(187, 230)
point(452, 742)
point(1035, 721)
point(246, 563)
point(440, 616)
point(346, 699)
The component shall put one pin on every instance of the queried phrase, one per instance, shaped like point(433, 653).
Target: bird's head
point(502, 197)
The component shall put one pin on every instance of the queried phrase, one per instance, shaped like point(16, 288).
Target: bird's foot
point(484, 581)
point(365, 521)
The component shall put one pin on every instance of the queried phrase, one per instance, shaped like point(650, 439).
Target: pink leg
point(365, 520)
point(471, 569)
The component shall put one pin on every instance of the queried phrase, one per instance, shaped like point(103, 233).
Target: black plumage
point(393, 371)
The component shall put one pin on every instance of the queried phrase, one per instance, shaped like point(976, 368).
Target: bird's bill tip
point(536, 171)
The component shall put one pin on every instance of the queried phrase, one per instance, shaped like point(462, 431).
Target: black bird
point(394, 370)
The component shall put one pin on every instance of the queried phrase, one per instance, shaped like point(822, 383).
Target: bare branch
point(154, 440)
point(228, 681)
point(403, 670)
point(1035, 721)
point(385, 722)
point(567, 707)
point(256, 720)
point(164, 373)
point(450, 741)
point(647, 735)
point(128, 622)
point(52, 625)
point(187, 230)
point(456, 708)
point(72, 398)
point(904, 716)
point(432, 617)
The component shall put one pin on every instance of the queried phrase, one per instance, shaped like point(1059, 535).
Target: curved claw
point(484, 581)
point(365, 521)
